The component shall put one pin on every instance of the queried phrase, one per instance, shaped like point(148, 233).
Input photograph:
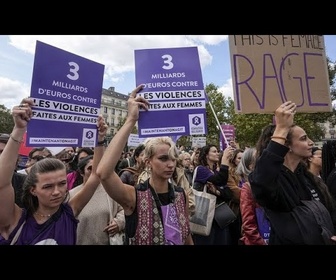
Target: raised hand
point(284, 114)
point(102, 127)
point(22, 113)
point(135, 102)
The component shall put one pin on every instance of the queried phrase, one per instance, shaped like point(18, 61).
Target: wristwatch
point(102, 143)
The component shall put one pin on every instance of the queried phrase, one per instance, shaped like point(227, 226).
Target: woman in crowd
point(194, 157)
point(255, 227)
point(234, 183)
point(101, 217)
point(48, 217)
point(216, 180)
point(314, 162)
point(34, 156)
point(129, 175)
point(74, 177)
point(179, 178)
point(185, 161)
point(156, 211)
point(281, 183)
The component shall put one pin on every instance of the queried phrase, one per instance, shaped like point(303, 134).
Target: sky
point(116, 52)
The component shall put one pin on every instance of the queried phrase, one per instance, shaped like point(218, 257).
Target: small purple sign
point(67, 90)
point(229, 133)
point(174, 87)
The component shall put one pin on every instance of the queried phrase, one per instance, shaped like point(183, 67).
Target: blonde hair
point(152, 143)
point(150, 150)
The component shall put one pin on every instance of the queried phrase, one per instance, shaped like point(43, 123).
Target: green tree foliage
point(332, 77)
point(310, 122)
point(121, 123)
point(219, 108)
point(185, 141)
point(6, 120)
point(215, 113)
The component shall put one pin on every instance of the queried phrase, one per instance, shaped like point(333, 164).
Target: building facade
point(113, 109)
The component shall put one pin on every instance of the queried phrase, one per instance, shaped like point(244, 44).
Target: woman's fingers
point(288, 107)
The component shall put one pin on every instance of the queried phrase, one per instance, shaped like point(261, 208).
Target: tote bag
point(205, 203)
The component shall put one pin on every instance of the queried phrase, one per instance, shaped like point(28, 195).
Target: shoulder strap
point(17, 234)
point(130, 169)
point(194, 176)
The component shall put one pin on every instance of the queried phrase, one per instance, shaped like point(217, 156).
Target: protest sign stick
point(219, 125)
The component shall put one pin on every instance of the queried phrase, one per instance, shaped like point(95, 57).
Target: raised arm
point(116, 189)
point(79, 201)
point(264, 178)
point(9, 211)
point(284, 119)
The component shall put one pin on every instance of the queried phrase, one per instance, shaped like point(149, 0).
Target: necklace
point(43, 216)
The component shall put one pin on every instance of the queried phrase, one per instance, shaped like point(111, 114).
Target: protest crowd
point(281, 191)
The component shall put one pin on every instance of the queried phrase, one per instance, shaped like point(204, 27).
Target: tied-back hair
point(328, 158)
point(264, 139)
point(43, 166)
point(152, 143)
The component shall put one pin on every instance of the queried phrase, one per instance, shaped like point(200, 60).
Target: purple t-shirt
point(59, 232)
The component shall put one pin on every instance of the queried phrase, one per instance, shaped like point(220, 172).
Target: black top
point(331, 183)
point(277, 187)
point(279, 191)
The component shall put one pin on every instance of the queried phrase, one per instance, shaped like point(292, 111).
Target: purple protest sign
point(229, 133)
point(174, 87)
point(67, 90)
